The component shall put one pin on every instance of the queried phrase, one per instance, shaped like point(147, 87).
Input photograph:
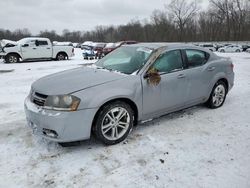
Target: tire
point(113, 123)
point(12, 58)
point(61, 57)
point(222, 51)
point(217, 96)
point(237, 50)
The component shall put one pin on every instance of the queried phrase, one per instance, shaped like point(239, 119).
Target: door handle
point(34, 48)
point(211, 69)
point(48, 48)
point(181, 76)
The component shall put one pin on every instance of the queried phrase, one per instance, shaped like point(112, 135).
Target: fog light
point(50, 133)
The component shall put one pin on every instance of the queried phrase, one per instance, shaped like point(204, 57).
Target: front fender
point(95, 97)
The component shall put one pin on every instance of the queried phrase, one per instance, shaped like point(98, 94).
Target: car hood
point(5, 42)
point(74, 80)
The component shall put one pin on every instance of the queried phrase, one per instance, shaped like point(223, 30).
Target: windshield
point(22, 41)
point(125, 59)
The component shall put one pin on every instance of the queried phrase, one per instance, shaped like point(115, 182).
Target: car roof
point(35, 38)
point(168, 45)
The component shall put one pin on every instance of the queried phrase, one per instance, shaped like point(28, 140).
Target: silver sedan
point(132, 84)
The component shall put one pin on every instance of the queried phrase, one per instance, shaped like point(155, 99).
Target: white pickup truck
point(33, 48)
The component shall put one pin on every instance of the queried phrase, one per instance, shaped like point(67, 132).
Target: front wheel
point(113, 123)
point(218, 95)
point(12, 58)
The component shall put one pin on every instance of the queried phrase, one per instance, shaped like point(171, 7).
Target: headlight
point(62, 103)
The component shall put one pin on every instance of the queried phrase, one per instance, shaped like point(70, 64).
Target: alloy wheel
point(219, 95)
point(13, 59)
point(115, 123)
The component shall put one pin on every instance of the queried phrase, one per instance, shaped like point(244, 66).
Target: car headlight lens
point(62, 103)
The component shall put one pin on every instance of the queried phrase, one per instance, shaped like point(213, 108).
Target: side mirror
point(25, 45)
point(36, 43)
point(153, 77)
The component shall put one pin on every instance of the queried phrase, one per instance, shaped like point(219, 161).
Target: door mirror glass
point(36, 43)
point(25, 45)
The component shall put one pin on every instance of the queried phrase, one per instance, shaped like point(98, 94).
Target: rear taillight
point(73, 50)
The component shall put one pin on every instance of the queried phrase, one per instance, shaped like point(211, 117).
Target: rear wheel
point(12, 58)
point(218, 95)
point(61, 56)
point(237, 50)
point(113, 123)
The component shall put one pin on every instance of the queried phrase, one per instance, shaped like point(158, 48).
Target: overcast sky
point(80, 15)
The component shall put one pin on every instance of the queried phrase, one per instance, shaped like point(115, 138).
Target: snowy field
point(197, 147)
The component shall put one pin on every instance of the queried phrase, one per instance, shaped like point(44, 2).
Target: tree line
point(179, 21)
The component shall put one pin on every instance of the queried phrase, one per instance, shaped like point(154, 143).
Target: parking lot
point(196, 147)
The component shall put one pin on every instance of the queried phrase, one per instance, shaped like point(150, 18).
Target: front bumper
point(59, 126)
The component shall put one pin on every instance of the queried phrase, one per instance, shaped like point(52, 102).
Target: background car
point(108, 48)
point(245, 47)
point(112, 46)
point(209, 47)
point(231, 48)
point(76, 45)
point(34, 48)
point(98, 49)
point(88, 52)
point(86, 43)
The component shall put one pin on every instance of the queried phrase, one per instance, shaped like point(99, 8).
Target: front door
point(29, 49)
point(170, 91)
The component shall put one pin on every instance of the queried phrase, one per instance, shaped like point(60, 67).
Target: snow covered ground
point(197, 147)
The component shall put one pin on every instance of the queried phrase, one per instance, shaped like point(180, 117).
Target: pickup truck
point(33, 48)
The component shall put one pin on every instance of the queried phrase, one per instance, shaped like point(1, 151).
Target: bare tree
point(182, 12)
point(181, 20)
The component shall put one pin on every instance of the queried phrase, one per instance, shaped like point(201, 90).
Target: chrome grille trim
point(38, 98)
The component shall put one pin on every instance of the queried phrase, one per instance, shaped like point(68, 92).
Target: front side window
point(169, 62)
point(196, 58)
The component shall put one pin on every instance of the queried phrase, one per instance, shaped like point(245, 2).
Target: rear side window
point(42, 43)
point(196, 58)
point(169, 62)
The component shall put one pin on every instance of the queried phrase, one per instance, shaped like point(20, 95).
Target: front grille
point(38, 98)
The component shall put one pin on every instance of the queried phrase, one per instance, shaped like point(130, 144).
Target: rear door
point(44, 49)
point(170, 91)
point(199, 75)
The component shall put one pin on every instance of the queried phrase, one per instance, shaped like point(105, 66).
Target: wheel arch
point(13, 53)
point(62, 52)
point(128, 101)
point(225, 81)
